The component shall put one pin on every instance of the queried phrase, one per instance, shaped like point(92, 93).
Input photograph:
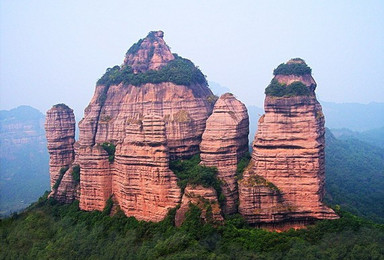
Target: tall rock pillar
point(60, 132)
point(285, 178)
point(224, 142)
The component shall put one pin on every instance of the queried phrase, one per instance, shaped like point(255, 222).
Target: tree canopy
point(179, 71)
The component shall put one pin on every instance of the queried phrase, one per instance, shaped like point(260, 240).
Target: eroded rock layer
point(60, 133)
point(224, 142)
point(68, 189)
point(143, 184)
point(287, 170)
point(96, 176)
point(149, 123)
point(149, 54)
point(203, 197)
point(184, 109)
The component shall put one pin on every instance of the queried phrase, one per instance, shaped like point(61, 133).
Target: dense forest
point(179, 71)
point(355, 176)
point(48, 230)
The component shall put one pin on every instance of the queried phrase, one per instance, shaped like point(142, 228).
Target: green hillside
point(51, 231)
point(355, 177)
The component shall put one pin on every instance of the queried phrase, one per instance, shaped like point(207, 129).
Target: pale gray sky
point(54, 51)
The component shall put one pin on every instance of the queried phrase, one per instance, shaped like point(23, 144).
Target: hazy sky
point(54, 51)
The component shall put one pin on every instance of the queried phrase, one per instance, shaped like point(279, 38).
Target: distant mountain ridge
point(23, 158)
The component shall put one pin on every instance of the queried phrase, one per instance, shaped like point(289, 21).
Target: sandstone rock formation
point(150, 53)
point(184, 109)
point(156, 107)
point(285, 178)
point(203, 197)
point(60, 133)
point(224, 142)
point(138, 178)
point(143, 184)
point(149, 123)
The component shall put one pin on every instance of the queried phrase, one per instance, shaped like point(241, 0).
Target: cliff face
point(150, 189)
point(286, 174)
point(60, 133)
point(184, 109)
point(224, 142)
point(148, 121)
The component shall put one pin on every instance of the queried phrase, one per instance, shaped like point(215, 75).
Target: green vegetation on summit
point(297, 88)
point(179, 71)
point(296, 67)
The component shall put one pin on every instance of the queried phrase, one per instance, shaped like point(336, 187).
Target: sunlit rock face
point(224, 142)
point(284, 182)
point(132, 116)
point(60, 132)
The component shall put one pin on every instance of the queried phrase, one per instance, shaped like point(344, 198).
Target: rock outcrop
point(205, 198)
point(184, 108)
point(224, 142)
point(143, 184)
point(60, 132)
point(285, 179)
point(157, 107)
point(150, 53)
point(150, 116)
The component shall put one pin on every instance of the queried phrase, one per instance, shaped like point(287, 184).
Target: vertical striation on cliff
point(143, 184)
point(60, 132)
point(224, 142)
point(284, 181)
point(151, 82)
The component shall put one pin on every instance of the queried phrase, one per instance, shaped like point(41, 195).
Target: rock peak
point(159, 34)
point(149, 53)
point(293, 78)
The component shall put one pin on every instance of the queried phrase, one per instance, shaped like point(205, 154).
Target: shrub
point(243, 162)
point(76, 173)
point(108, 207)
point(61, 105)
point(61, 175)
point(190, 172)
point(110, 148)
point(179, 71)
point(294, 68)
point(297, 88)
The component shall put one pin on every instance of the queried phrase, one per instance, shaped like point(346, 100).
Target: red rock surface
point(203, 197)
point(152, 53)
point(96, 176)
point(68, 190)
point(184, 109)
point(143, 184)
point(224, 142)
point(60, 133)
point(288, 156)
point(149, 124)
